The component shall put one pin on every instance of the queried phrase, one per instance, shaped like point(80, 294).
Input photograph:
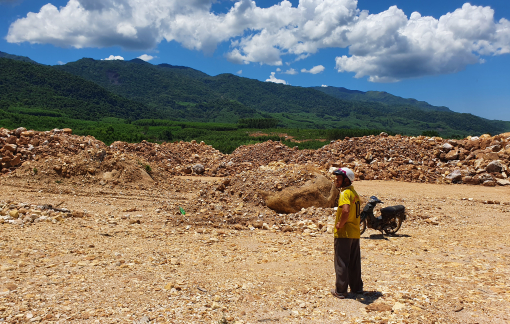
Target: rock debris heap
point(480, 160)
point(23, 213)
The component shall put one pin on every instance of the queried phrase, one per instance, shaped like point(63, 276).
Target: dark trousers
point(348, 265)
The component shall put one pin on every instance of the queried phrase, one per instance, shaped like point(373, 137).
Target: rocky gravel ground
point(79, 252)
point(181, 233)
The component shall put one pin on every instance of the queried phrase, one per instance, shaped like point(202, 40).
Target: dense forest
point(45, 89)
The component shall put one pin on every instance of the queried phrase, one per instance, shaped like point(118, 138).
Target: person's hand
point(337, 225)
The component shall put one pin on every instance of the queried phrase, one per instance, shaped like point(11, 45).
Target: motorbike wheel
point(394, 226)
point(362, 226)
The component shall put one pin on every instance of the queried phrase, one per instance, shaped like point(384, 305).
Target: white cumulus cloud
point(291, 72)
point(273, 79)
point(113, 58)
point(389, 47)
point(385, 47)
point(239, 72)
point(315, 70)
point(146, 57)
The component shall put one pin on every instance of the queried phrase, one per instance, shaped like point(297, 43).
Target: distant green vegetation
point(258, 123)
point(430, 133)
point(224, 137)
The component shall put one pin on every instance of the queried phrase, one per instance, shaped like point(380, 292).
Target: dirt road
point(123, 261)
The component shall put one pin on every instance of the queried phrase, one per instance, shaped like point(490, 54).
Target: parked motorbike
point(389, 221)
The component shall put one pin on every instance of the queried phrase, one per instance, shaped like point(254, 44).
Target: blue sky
point(448, 53)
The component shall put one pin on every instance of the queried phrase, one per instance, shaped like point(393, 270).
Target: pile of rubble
point(175, 158)
point(26, 214)
point(475, 160)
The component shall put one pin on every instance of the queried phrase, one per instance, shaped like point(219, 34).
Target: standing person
point(347, 236)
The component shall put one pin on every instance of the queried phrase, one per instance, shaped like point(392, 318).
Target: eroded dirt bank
point(108, 253)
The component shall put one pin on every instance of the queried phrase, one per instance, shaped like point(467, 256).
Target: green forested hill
point(278, 98)
point(42, 88)
point(91, 90)
point(167, 86)
point(379, 97)
point(157, 86)
point(17, 57)
point(195, 96)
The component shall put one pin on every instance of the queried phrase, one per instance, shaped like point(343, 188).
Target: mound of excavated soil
point(475, 160)
point(175, 158)
point(91, 166)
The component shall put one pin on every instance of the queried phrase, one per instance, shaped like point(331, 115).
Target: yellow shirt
point(349, 196)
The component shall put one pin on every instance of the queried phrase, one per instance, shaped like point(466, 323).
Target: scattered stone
point(14, 213)
point(447, 147)
point(489, 183)
point(398, 306)
point(378, 307)
point(198, 169)
point(503, 182)
point(11, 286)
point(455, 176)
point(432, 221)
point(494, 167)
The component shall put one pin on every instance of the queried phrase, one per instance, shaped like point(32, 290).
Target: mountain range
point(93, 90)
point(378, 96)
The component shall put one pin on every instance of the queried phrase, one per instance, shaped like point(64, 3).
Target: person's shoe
point(338, 295)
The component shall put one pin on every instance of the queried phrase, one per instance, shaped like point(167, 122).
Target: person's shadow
point(367, 297)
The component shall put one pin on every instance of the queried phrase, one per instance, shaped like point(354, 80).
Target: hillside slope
point(177, 92)
point(91, 90)
point(188, 94)
point(42, 88)
point(157, 86)
point(379, 97)
point(17, 57)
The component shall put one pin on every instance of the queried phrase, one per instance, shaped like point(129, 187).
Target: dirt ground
point(125, 261)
